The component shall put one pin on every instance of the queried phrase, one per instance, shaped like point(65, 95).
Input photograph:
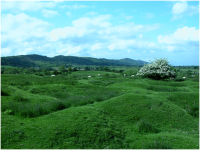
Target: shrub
point(162, 88)
point(179, 79)
point(194, 111)
point(4, 93)
point(106, 75)
point(145, 127)
point(160, 69)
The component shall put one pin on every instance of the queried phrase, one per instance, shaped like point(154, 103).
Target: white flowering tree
point(158, 69)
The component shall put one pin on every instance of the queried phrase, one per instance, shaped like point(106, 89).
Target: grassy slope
point(137, 118)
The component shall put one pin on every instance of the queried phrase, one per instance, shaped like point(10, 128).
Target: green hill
point(38, 60)
point(115, 112)
point(129, 61)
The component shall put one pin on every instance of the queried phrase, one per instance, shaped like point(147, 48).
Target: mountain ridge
point(33, 60)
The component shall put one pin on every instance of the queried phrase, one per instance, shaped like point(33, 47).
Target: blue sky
point(141, 30)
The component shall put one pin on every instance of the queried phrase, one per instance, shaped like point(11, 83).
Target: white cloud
point(70, 49)
point(22, 23)
point(75, 6)
point(126, 31)
point(17, 6)
point(183, 39)
point(181, 35)
point(99, 21)
point(170, 48)
point(21, 32)
point(6, 52)
point(99, 34)
point(152, 45)
point(68, 14)
point(87, 35)
point(140, 35)
point(49, 13)
point(96, 46)
point(92, 13)
point(111, 47)
point(149, 15)
point(193, 10)
point(81, 27)
point(181, 8)
point(131, 44)
point(126, 17)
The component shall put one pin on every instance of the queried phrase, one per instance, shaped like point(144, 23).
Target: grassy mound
point(98, 113)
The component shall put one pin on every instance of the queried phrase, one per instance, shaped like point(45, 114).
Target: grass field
point(109, 111)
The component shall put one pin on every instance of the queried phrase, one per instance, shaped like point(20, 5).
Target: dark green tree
point(62, 69)
point(75, 69)
point(106, 69)
point(55, 72)
point(87, 68)
point(69, 70)
point(46, 72)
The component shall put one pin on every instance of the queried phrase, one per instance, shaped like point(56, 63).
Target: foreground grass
point(103, 112)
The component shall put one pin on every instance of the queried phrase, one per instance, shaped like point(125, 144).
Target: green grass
point(107, 111)
point(187, 101)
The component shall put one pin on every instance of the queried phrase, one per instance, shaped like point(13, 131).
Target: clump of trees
point(158, 69)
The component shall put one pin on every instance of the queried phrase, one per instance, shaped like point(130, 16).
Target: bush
point(179, 79)
point(145, 127)
point(162, 88)
point(160, 69)
point(106, 75)
point(4, 93)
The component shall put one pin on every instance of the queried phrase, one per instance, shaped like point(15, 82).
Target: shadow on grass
point(146, 127)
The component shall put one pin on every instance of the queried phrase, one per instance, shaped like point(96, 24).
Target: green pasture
point(109, 111)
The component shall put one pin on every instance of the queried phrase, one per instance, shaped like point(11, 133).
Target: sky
point(139, 30)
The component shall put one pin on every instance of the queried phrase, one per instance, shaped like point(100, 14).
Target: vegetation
point(67, 61)
point(72, 111)
point(160, 69)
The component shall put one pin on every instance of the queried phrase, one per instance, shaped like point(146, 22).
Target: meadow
point(109, 111)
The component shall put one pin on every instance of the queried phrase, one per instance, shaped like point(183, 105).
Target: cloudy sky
point(102, 29)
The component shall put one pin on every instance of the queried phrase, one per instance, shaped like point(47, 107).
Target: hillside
point(131, 61)
point(102, 112)
point(38, 60)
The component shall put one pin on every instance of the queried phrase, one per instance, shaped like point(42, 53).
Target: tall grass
point(187, 101)
point(29, 110)
point(102, 82)
point(25, 107)
point(145, 127)
point(158, 144)
point(162, 88)
point(122, 122)
point(20, 98)
point(167, 83)
point(94, 132)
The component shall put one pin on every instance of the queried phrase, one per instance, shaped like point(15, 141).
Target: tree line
point(62, 69)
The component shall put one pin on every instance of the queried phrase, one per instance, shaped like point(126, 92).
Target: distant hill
point(129, 61)
point(38, 60)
